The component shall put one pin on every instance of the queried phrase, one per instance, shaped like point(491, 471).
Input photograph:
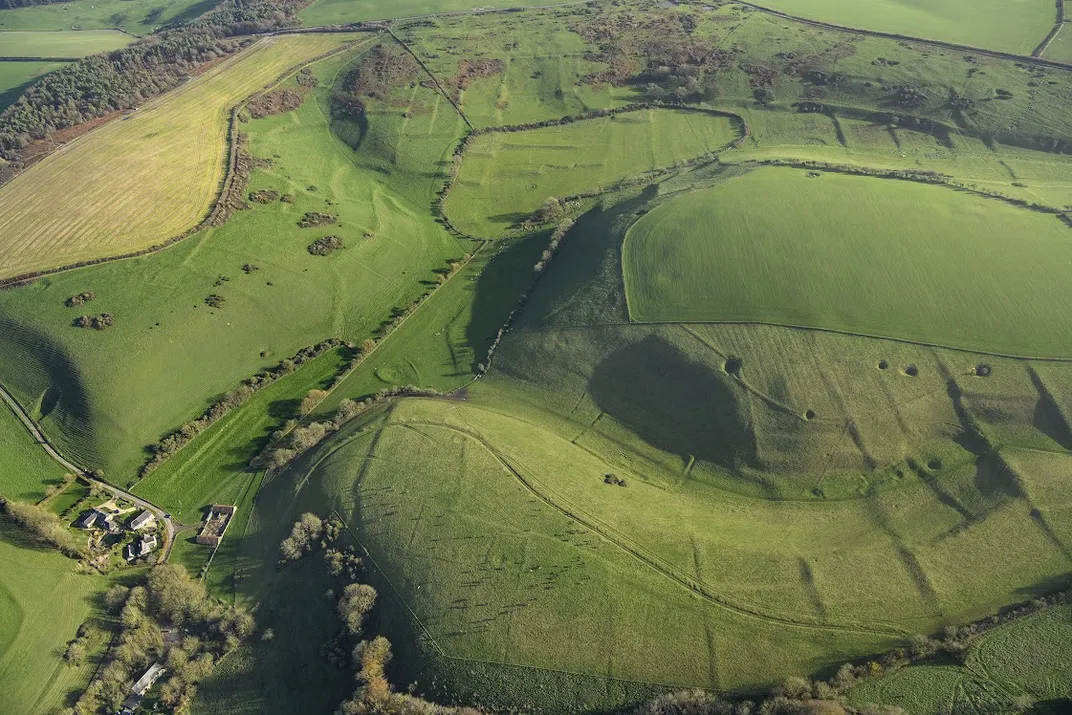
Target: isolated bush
point(311, 400)
point(80, 299)
point(325, 246)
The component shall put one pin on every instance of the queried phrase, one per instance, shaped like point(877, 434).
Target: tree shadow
point(674, 404)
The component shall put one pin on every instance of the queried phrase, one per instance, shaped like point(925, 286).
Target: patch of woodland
point(168, 619)
point(173, 442)
point(468, 70)
point(264, 196)
point(276, 101)
point(313, 219)
point(96, 322)
point(384, 69)
point(325, 246)
point(80, 299)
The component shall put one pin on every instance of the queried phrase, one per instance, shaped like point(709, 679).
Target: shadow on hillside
point(45, 364)
point(674, 404)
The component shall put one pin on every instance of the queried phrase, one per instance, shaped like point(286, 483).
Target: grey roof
point(141, 519)
point(88, 519)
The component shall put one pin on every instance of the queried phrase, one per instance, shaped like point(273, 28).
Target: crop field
point(42, 603)
point(1025, 659)
point(506, 176)
point(26, 470)
point(1016, 27)
point(64, 209)
point(61, 44)
point(164, 360)
point(138, 17)
point(910, 261)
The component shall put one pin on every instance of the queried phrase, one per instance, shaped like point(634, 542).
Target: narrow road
point(39, 437)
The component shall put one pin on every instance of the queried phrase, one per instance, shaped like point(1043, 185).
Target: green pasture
point(1023, 661)
point(25, 469)
point(212, 469)
point(907, 260)
point(138, 17)
point(105, 395)
point(506, 176)
point(1060, 47)
point(1016, 27)
point(341, 12)
point(42, 603)
point(16, 76)
point(441, 344)
point(61, 44)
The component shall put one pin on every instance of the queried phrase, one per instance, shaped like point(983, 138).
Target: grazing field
point(858, 254)
point(105, 395)
point(340, 12)
point(213, 468)
point(138, 17)
point(16, 76)
point(1026, 660)
point(506, 176)
point(27, 471)
point(61, 44)
point(169, 155)
point(42, 603)
point(1016, 27)
point(1060, 47)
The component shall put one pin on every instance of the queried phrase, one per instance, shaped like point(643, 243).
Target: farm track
point(31, 426)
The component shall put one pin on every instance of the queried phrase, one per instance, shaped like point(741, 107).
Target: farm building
point(89, 520)
point(142, 547)
point(138, 690)
point(142, 520)
point(216, 523)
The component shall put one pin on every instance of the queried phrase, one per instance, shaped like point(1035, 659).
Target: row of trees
point(237, 397)
point(42, 526)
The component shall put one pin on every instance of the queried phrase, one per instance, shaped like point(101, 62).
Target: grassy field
point(16, 76)
point(994, 25)
point(1060, 47)
point(64, 209)
point(213, 469)
point(61, 44)
point(27, 470)
point(910, 261)
point(138, 17)
point(1026, 659)
point(42, 603)
point(104, 396)
point(506, 176)
point(340, 12)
